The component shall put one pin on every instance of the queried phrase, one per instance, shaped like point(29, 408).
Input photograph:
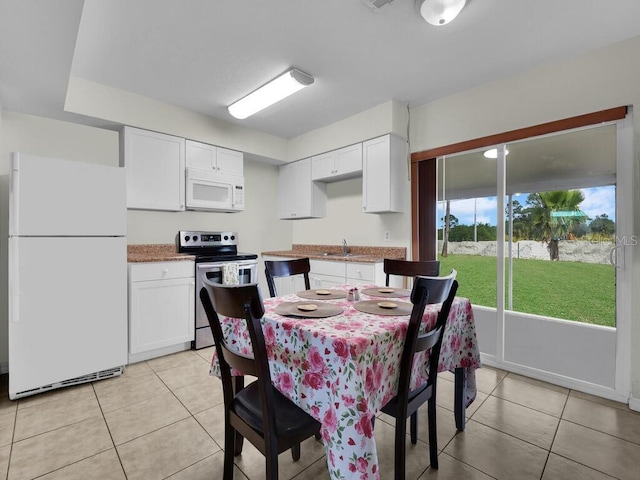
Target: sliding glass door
point(538, 233)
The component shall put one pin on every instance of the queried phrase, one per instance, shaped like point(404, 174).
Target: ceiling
point(580, 158)
point(203, 55)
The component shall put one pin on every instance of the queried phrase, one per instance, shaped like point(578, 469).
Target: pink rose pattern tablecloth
point(343, 369)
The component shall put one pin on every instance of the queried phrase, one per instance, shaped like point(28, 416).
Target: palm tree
point(549, 228)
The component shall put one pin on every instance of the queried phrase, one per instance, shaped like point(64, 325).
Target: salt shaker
point(353, 295)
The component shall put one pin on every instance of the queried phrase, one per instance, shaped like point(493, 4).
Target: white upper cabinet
point(338, 164)
point(384, 174)
point(298, 195)
point(202, 156)
point(155, 165)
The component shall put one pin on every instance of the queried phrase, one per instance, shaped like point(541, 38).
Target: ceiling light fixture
point(439, 12)
point(493, 153)
point(270, 93)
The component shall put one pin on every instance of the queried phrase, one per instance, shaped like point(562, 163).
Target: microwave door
point(208, 195)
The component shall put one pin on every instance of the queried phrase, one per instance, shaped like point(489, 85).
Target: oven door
point(247, 273)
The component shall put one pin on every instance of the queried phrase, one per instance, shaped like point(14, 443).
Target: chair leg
point(239, 441)
point(433, 434)
point(414, 427)
point(400, 448)
point(229, 435)
point(271, 459)
point(295, 452)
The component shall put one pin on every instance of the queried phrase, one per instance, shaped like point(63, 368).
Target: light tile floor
point(163, 419)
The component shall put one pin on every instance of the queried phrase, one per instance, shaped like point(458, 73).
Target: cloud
point(599, 200)
point(484, 208)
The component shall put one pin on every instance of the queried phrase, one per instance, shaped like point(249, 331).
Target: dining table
point(340, 361)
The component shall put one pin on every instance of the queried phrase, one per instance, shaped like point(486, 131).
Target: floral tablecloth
point(344, 369)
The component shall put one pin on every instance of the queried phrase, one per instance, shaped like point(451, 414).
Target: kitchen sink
point(340, 255)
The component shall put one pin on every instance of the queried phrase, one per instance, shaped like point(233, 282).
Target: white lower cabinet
point(161, 308)
point(331, 273)
point(327, 273)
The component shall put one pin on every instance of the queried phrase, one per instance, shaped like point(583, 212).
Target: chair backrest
point(426, 290)
point(244, 302)
point(408, 268)
point(286, 268)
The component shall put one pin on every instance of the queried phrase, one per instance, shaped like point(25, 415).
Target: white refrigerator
point(67, 273)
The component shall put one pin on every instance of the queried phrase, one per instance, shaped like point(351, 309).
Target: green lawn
point(583, 292)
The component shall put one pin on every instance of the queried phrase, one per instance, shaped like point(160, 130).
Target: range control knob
point(195, 238)
point(226, 237)
point(233, 237)
point(187, 238)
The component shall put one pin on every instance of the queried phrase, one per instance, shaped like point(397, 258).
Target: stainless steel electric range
point(212, 250)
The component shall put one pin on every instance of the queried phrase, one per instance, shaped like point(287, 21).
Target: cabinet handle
point(165, 271)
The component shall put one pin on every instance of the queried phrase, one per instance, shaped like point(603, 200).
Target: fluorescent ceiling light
point(270, 93)
point(493, 153)
point(439, 12)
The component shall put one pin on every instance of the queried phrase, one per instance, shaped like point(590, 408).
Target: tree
point(548, 228)
point(521, 220)
point(445, 233)
point(603, 225)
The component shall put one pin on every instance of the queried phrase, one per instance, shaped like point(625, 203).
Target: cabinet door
point(302, 188)
point(200, 155)
point(360, 272)
point(349, 160)
point(375, 170)
point(155, 166)
point(161, 313)
point(286, 207)
point(230, 162)
point(324, 281)
point(298, 195)
point(323, 166)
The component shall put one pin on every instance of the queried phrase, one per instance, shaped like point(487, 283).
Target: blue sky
point(598, 200)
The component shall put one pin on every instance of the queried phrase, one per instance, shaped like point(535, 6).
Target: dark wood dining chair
point(426, 290)
point(257, 412)
point(286, 268)
point(408, 268)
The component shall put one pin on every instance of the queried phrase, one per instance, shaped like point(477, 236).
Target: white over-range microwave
point(214, 191)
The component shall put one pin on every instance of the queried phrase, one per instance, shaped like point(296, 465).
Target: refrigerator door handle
point(14, 281)
point(14, 192)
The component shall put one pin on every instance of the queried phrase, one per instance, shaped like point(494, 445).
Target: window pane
point(562, 216)
point(466, 197)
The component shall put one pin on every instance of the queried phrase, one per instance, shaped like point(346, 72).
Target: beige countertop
point(366, 254)
point(155, 253)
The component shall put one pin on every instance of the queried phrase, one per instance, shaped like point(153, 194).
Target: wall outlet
point(387, 236)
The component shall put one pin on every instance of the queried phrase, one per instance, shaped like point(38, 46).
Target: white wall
point(388, 117)
point(258, 228)
point(599, 80)
point(126, 108)
point(345, 220)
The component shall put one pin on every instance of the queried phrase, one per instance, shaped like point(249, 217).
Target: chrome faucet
point(345, 248)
